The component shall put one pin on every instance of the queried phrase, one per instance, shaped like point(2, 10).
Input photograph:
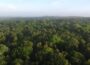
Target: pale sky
point(44, 8)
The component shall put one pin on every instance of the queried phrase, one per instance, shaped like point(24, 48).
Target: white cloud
point(7, 7)
point(55, 2)
point(10, 6)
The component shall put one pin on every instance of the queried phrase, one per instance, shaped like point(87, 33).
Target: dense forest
point(45, 41)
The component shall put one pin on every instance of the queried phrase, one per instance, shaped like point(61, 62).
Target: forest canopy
point(45, 41)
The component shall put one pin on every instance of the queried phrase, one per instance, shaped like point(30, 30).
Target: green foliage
point(17, 62)
point(56, 39)
point(77, 58)
point(2, 60)
point(45, 41)
point(47, 49)
point(27, 48)
point(3, 49)
point(87, 62)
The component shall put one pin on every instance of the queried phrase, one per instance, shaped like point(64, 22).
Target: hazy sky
point(44, 7)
